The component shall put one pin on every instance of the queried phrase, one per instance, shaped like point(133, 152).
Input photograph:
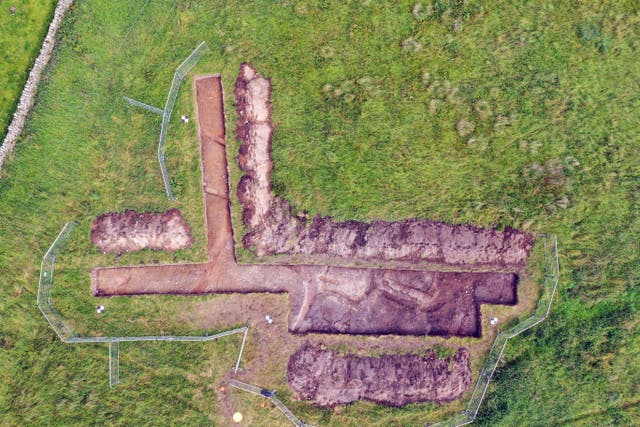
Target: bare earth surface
point(270, 346)
point(213, 161)
point(272, 229)
point(131, 231)
point(402, 302)
point(329, 378)
point(331, 299)
point(323, 299)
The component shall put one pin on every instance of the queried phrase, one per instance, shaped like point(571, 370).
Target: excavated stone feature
point(324, 299)
point(329, 378)
point(401, 302)
point(273, 229)
point(131, 231)
point(254, 124)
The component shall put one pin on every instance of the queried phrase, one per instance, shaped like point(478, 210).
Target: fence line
point(178, 76)
point(180, 73)
point(64, 331)
point(148, 107)
point(271, 395)
point(244, 341)
point(45, 283)
point(114, 363)
point(550, 284)
point(287, 412)
point(249, 388)
point(180, 338)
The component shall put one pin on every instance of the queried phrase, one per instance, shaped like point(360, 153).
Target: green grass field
point(510, 114)
point(21, 34)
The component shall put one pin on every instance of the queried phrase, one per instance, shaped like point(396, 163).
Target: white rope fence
point(550, 284)
point(65, 333)
point(271, 395)
point(180, 73)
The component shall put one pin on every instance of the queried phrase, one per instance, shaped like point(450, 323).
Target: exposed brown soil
point(324, 299)
point(213, 162)
point(329, 378)
point(131, 231)
point(331, 299)
point(273, 229)
point(269, 346)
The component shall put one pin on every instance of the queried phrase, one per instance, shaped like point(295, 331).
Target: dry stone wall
point(31, 87)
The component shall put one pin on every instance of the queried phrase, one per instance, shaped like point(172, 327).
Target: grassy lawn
point(513, 114)
point(21, 34)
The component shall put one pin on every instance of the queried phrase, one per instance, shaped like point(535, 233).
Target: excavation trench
point(326, 298)
point(329, 378)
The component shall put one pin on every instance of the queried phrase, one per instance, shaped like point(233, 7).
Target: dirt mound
point(131, 231)
point(253, 125)
point(329, 378)
point(273, 229)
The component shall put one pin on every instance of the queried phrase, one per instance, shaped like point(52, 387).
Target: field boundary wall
point(31, 86)
point(549, 286)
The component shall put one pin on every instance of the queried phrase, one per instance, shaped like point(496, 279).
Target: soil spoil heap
point(328, 378)
point(272, 228)
point(130, 231)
